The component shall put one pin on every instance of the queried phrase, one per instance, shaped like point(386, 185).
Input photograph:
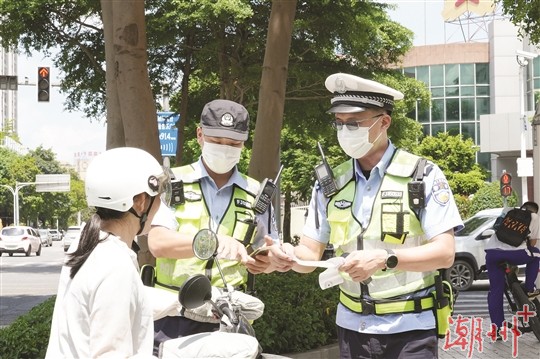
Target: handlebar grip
point(227, 311)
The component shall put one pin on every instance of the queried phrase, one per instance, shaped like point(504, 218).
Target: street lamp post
point(524, 165)
point(15, 193)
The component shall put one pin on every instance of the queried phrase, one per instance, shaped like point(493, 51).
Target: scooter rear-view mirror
point(195, 291)
point(205, 244)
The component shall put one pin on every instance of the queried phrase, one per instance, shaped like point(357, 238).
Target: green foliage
point(38, 209)
point(489, 196)
point(464, 206)
point(526, 15)
point(457, 159)
point(27, 337)
point(298, 315)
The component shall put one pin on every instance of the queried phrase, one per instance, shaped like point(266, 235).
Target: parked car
point(20, 239)
point(55, 234)
point(470, 255)
point(72, 234)
point(46, 239)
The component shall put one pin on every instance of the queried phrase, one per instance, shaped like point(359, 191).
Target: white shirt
point(103, 311)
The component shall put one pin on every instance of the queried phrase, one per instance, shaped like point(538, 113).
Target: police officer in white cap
point(392, 218)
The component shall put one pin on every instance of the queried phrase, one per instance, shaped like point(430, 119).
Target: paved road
point(28, 281)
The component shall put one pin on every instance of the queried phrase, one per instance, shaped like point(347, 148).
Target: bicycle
point(517, 298)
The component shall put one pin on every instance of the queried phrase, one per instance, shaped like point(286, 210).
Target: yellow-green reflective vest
point(192, 216)
point(392, 225)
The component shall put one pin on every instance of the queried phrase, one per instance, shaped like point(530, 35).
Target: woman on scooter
point(101, 309)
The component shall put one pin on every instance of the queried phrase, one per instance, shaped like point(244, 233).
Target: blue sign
point(168, 133)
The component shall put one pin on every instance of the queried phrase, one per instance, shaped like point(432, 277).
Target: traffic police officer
point(217, 197)
point(392, 218)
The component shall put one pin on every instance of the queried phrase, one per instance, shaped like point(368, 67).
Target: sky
point(67, 133)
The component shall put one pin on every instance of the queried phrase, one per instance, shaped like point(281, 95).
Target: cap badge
point(340, 85)
point(227, 120)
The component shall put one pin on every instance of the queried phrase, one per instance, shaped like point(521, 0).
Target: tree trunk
point(137, 108)
point(266, 142)
point(115, 128)
point(131, 111)
point(184, 101)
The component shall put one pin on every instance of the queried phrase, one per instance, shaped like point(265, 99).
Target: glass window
point(452, 91)
point(482, 106)
point(466, 76)
point(452, 129)
point(451, 74)
point(435, 129)
point(482, 74)
point(437, 75)
point(467, 109)
point(482, 90)
point(426, 131)
point(423, 115)
point(467, 130)
point(452, 109)
point(467, 90)
point(437, 92)
point(537, 84)
point(437, 110)
point(536, 67)
point(409, 72)
point(422, 74)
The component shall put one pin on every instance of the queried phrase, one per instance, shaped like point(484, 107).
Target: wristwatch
point(391, 260)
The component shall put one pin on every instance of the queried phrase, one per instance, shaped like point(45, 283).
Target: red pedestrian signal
point(506, 184)
point(44, 84)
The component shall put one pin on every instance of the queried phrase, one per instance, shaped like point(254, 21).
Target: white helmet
point(115, 176)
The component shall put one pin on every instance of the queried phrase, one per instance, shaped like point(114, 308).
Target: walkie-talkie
point(264, 197)
point(325, 176)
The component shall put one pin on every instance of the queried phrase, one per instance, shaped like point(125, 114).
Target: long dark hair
point(90, 238)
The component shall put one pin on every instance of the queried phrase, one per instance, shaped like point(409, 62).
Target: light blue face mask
point(356, 143)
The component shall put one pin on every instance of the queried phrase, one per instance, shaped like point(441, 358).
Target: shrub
point(298, 314)
point(27, 337)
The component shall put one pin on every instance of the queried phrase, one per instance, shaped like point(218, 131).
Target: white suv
point(470, 254)
point(72, 234)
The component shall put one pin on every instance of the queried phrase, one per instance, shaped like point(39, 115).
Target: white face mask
point(356, 143)
point(220, 158)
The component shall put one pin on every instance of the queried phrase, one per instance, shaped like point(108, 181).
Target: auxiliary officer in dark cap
point(392, 217)
point(217, 197)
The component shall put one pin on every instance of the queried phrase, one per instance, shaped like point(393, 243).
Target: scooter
point(232, 309)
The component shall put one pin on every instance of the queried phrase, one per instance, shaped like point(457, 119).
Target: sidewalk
point(525, 346)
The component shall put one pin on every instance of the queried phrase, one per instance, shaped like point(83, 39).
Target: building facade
point(476, 92)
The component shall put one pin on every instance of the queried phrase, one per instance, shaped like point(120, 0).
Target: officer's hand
point(258, 264)
point(230, 248)
point(360, 265)
point(281, 256)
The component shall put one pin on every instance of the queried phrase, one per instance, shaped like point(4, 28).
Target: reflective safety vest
point(192, 216)
point(392, 225)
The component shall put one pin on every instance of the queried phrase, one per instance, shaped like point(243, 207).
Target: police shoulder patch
point(441, 191)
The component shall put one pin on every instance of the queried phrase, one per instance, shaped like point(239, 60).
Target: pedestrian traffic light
point(44, 84)
point(506, 184)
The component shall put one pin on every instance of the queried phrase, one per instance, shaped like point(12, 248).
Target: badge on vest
point(342, 204)
point(242, 203)
point(192, 196)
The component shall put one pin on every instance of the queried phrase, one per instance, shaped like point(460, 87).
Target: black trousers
point(177, 327)
point(416, 344)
